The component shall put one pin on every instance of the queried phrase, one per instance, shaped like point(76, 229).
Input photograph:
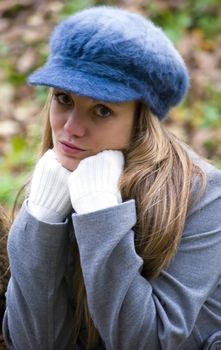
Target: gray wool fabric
point(179, 310)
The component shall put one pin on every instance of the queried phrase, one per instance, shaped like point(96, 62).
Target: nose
point(74, 124)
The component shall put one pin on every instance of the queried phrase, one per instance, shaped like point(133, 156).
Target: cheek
point(115, 137)
point(52, 117)
point(123, 135)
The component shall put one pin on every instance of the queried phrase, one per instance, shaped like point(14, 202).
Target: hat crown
point(118, 47)
point(90, 33)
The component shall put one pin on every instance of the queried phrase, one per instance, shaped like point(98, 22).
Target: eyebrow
point(106, 102)
point(92, 99)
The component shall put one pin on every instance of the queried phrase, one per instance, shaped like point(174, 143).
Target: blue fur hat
point(113, 55)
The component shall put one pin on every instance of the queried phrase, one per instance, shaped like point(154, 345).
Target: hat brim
point(82, 83)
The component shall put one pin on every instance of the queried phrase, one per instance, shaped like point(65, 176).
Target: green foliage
point(10, 186)
point(41, 93)
point(187, 15)
point(4, 49)
point(15, 168)
point(211, 109)
point(206, 14)
point(71, 6)
point(211, 116)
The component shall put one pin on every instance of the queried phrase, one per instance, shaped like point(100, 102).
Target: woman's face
point(82, 127)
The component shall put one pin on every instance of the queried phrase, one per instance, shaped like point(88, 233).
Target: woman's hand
point(49, 198)
point(94, 185)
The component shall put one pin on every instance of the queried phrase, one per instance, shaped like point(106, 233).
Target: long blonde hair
point(4, 266)
point(158, 174)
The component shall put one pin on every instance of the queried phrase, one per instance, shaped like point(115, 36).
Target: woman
point(118, 244)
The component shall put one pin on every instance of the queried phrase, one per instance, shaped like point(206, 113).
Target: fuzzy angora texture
point(113, 55)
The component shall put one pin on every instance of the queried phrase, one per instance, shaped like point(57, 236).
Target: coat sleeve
point(38, 313)
point(130, 311)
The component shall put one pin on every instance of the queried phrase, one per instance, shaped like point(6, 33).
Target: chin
point(68, 163)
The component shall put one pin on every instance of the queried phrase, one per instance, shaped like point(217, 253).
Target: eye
point(63, 98)
point(103, 111)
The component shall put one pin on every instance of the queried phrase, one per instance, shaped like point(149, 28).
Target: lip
point(70, 148)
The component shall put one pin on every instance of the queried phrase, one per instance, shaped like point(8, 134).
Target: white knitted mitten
point(94, 185)
point(49, 198)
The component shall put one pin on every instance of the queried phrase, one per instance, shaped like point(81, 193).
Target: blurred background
point(193, 25)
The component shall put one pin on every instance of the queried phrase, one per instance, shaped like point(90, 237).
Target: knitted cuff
point(95, 201)
point(49, 196)
point(44, 214)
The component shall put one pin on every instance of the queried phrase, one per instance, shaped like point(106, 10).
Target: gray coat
point(179, 310)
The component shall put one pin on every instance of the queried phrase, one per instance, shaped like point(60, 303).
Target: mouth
point(70, 148)
point(71, 145)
